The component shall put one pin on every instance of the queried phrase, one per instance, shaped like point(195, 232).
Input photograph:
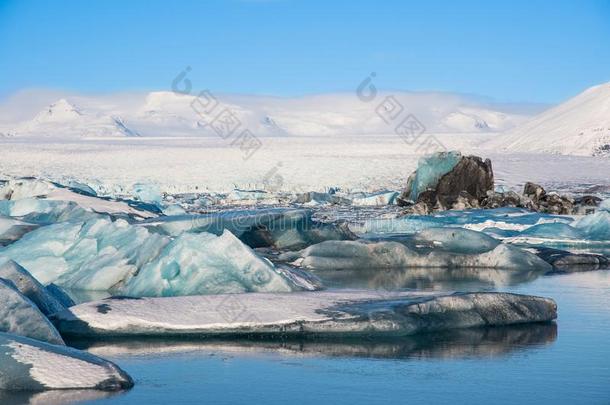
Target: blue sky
point(538, 51)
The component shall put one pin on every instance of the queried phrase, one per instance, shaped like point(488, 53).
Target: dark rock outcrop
point(465, 186)
point(472, 177)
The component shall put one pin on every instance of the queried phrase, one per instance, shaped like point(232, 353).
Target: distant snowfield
point(308, 143)
point(293, 164)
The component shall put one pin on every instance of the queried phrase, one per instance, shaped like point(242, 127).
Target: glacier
point(32, 365)
point(20, 316)
point(323, 313)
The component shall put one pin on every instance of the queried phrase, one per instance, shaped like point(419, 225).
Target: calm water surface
point(566, 362)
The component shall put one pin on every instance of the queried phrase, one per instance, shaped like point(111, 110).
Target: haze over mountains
point(171, 114)
point(579, 126)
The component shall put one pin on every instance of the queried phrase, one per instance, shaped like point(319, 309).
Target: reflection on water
point(427, 278)
point(476, 342)
point(56, 397)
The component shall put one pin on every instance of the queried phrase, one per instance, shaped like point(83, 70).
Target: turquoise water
point(565, 362)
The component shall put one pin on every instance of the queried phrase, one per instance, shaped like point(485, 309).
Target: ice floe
point(282, 228)
point(20, 316)
point(362, 254)
point(347, 312)
point(105, 255)
point(13, 229)
point(30, 287)
point(31, 365)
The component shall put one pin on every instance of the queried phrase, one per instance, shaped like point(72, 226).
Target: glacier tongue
point(347, 312)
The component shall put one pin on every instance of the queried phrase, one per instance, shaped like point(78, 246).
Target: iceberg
point(148, 193)
point(60, 295)
point(379, 198)
point(553, 231)
point(206, 264)
point(31, 365)
point(362, 255)
point(595, 226)
point(282, 228)
point(314, 198)
point(21, 198)
point(564, 261)
point(44, 212)
point(429, 170)
point(456, 240)
point(20, 316)
point(17, 189)
point(355, 313)
point(427, 278)
point(102, 255)
point(30, 287)
point(95, 254)
point(485, 220)
point(13, 229)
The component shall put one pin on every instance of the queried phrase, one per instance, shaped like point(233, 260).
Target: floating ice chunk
point(374, 199)
point(60, 295)
point(148, 193)
point(357, 254)
point(203, 264)
point(25, 188)
point(20, 316)
point(568, 261)
point(173, 209)
point(81, 188)
point(101, 255)
point(595, 226)
point(553, 231)
point(427, 278)
point(430, 169)
point(302, 313)
point(314, 198)
point(44, 212)
point(94, 255)
point(248, 195)
point(456, 240)
point(30, 287)
point(31, 365)
point(98, 205)
point(478, 220)
point(13, 229)
point(278, 227)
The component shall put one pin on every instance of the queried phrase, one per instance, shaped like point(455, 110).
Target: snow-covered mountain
point(65, 119)
point(171, 114)
point(580, 126)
